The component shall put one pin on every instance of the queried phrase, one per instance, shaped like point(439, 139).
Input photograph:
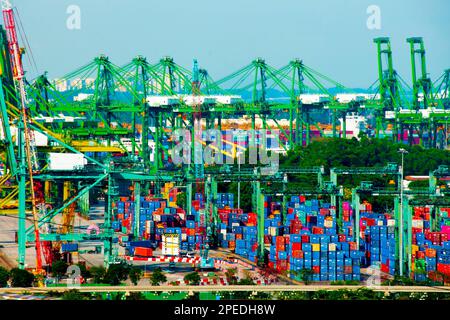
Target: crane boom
point(18, 73)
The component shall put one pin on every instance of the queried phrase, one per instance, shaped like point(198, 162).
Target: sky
point(330, 36)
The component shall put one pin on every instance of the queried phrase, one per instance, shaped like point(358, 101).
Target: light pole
point(401, 227)
point(239, 179)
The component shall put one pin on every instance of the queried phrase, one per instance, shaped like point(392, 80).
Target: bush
point(21, 278)
point(73, 295)
point(157, 277)
point(192, 278)
point(135, 296)
point(247, 281)
point(4, 277)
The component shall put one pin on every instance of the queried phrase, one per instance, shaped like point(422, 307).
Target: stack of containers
point(157, 217)
point(225, 200)
point(430, 250)
point(309, 240)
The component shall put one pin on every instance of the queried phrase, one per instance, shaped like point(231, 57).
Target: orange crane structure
point(30, 154)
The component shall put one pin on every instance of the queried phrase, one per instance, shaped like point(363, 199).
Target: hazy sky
point(330, 36)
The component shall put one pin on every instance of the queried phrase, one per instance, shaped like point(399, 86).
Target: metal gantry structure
point(101, 110)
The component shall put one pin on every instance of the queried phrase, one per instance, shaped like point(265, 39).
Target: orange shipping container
point(430, 253)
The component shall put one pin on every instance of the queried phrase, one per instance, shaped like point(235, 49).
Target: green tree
point(247, 281)
point(230, 275)
point(59, 268)
point(21, 278)
point(157, 277)
point(135, 275)
point(306, 275)
point(192, 278)
point(116, 273)
point(98, 273)
point(4, 277)
point(85, 273)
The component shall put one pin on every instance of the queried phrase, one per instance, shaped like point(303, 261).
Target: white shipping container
point(82, 96)
point(332, 247)
point(273, 231)
point(40, 140)
point(156, 101)
point(391, 222)
point(228, 99)
point(389, 114)
point(66, 161)
point(328, 223)
point(417, 224)
point(171, 244)
point(198, 100)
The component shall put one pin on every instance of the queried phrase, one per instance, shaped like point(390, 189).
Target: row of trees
point(16, 278)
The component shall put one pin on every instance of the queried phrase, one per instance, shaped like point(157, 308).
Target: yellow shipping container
point(414, 249)
point(315, 247)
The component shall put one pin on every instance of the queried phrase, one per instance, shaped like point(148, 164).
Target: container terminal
point(90, 175)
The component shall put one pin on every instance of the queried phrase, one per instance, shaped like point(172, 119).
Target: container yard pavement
point(9, 248)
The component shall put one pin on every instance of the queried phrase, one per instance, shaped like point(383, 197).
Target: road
point(269, 288)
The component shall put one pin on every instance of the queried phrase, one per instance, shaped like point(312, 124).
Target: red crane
point(18, 72)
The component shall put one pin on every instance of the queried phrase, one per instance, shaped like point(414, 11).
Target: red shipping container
point(287, 239)
point(280, 240)
point(342, 238)
point(317, 230)
point(298, 254)
point(295, 230)
point(305, 238)
point(420, 255)
point(348, 269)
point(316, 269)
point(296, 246)
point(126, 223)
point(353, 246)
point(290, 210)
point(143, 252)
point(282, 263)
